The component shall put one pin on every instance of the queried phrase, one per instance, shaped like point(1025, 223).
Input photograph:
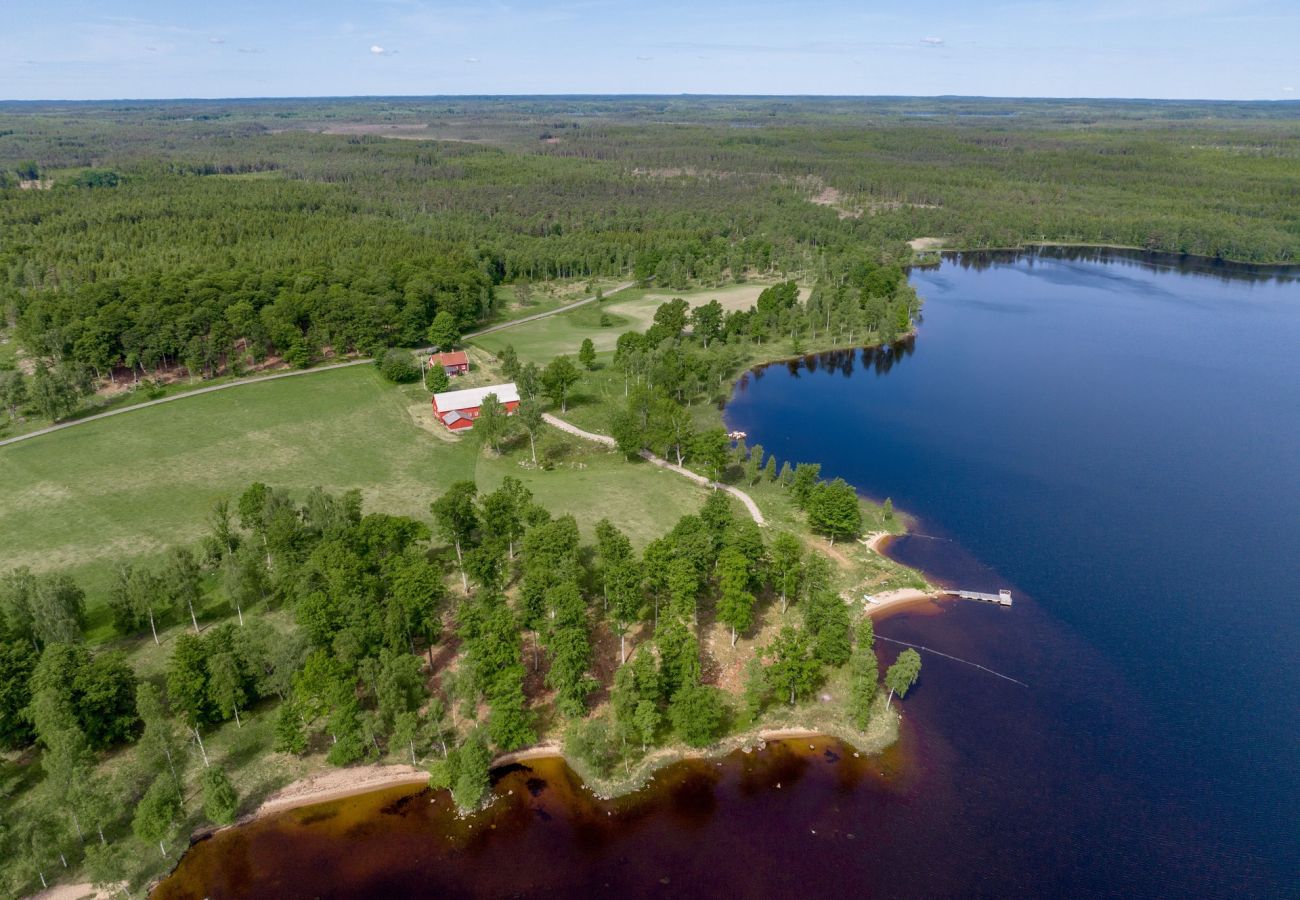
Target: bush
point(220, 802)
point(593, 742)
point(698, 715)
point(399, 366)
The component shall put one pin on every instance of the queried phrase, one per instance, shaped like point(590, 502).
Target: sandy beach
point(889, 601)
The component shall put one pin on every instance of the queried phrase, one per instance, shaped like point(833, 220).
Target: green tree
point(786, 566)
point(736, 603)
point(509, 361)
point(58, 609)
point(698, 714)
point(53, 392)
point(220, 801)
point(864, 675)
point(17, 662)
point(900, 677)
point(226, 685)
point(710, 450)
point(804, 480)
point(156, 813)
point(502, 512)
point(398, 366)
point(290, 736)
point(706, 321)
point(826, 622)
point(529, 413)
point(245, 579)
point(558, 379)
point(492, 423)
point(436, 379)
point(13, 391)
point(456, 519)
point(443, 333)
point(465, 772)
point(769, 470)
point(793, 670)
point(834, 510)
point(755, 693)
point(158, 748)
point(587, 354)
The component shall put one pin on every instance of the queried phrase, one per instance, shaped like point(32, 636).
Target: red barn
point(458, 409)
point(453, 363)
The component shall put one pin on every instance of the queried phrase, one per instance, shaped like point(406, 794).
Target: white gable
point(473, 397)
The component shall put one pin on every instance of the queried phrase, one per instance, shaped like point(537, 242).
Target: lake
point(1114, 437)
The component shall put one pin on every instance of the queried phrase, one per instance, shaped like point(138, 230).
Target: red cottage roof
point(454, 358)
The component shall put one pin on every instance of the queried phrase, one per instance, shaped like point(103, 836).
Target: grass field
point(131, 486)
point(634, 309)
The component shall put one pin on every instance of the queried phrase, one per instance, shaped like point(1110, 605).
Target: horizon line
point(653, 95)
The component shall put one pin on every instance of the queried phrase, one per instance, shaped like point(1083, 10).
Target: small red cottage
point(453, 363)
point(458, 409)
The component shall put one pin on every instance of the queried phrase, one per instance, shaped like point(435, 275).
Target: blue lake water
point(1118, 439)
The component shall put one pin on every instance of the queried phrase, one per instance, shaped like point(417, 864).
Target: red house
point(458, 409)
point(453, 363)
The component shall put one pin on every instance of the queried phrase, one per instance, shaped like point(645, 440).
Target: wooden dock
point(1002, 598)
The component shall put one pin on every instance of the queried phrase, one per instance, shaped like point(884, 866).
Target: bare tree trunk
point(240, 612)
point(153, 628)
point(76, 823)
point(532, 445)
point(194, 619)
point(162, 849)
point(733, 636)
point(464, 582)
point(622, 653)
point(238, 724)
point(100, 828)
point(203, 750)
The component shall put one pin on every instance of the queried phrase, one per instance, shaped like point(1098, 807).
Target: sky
point(1180, 49)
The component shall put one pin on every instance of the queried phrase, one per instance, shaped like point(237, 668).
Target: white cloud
point(1289, 89)
point(216, 40)
point(932, 41)
point(377, 50)
point(471, 59)
point(251, 50)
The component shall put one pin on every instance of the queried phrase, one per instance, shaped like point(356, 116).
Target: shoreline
point(940, 247)
point(340, 784)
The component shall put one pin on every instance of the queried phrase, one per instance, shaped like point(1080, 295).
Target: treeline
point(364, 671)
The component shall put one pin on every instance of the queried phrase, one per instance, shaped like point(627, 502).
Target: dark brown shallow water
point(692, 831)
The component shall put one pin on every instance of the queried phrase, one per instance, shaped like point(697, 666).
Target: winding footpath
point(343, 365)
point(662, 463)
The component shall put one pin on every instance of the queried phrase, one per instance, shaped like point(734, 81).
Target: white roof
point(473, 397)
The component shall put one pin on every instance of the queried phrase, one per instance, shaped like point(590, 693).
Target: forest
point(153, 240)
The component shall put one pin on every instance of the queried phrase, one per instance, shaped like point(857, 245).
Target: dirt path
point(748, 501)
point(234, 384)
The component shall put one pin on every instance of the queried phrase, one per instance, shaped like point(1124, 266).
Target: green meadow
point(127, 488)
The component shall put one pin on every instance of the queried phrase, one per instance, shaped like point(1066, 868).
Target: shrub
point(399, 366)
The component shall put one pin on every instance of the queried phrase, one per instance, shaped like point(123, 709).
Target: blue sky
point(1225, 49)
